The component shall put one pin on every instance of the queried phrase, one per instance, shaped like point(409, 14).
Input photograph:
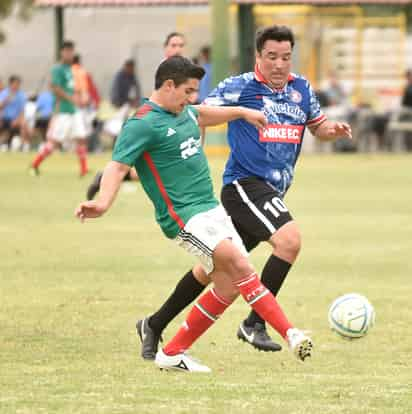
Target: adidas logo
point(170, 132)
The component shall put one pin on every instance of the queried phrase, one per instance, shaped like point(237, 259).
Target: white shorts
point(204, 231)
point(66, 126)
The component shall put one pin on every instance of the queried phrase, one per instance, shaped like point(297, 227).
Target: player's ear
point(168, 84)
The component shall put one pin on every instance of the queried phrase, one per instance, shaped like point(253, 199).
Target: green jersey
point(166, 151)
point(62, 77)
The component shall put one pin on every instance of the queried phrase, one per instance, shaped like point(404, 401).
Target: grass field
point(70, 295)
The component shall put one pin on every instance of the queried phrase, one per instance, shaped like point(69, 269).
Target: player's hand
point(89, 209)
point(340, 130)
point(256, 118)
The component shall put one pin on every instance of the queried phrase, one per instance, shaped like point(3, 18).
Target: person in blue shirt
point(12, 102)
point(44, 111)
point(205, 85)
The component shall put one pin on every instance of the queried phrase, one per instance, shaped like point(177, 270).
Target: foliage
point(7, 7)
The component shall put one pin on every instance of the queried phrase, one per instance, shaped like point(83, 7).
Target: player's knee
point(288, 244)
point(240, 267)
point(200, 275)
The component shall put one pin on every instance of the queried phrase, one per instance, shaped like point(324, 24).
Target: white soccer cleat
point(299, 343)
point(179, 362)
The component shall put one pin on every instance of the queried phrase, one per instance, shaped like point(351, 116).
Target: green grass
point(70, 295)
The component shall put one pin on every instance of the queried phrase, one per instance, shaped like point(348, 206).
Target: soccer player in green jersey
point(162, 141)
point(67, 121)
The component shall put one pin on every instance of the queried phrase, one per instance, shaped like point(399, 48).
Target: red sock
point(81, 151)
point(43, 153)
point(263, 303)
point(201, 317)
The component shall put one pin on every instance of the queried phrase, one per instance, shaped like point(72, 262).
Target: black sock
point(186, 291)
point(273, 275)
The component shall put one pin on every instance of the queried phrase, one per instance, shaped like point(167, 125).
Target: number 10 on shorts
point(275, 207)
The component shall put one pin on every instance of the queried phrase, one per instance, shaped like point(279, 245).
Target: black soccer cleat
point(94, 187)
point(258, 337)
point(150, 340)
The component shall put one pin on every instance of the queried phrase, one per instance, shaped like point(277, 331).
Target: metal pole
point(59, 30)
point(220, 40)
point(246, 36)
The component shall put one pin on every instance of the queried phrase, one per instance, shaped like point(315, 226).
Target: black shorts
point(256, 208)
point(42, 123)
point(5, 125)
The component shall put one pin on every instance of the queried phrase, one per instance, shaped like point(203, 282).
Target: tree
point(7, 7)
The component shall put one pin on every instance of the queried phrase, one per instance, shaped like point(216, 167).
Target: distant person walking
point(67, 121)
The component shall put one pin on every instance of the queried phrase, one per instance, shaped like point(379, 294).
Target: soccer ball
point(351, 316)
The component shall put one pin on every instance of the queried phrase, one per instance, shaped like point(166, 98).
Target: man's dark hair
point(205, 51)
point(179, 70)
point(14, 78)
point(129, 62)
point(67, 44)
point(170, 35)
point(77, 59)
point(278, 33)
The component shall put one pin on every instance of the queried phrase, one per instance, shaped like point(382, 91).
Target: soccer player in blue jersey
point(258, 173)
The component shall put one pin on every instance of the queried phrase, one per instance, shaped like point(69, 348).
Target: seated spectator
point(334, 91)
point(407, 94)
point(12, 103)
point(38, 111)
point(407, 104)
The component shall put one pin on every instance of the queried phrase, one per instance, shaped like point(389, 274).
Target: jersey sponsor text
point(281, 133)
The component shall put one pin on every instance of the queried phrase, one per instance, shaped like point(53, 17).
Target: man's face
point(182, 95)
point(67, 55)
point(174, 47)
point(274, 62)
point(15, 85)
point(129, 69)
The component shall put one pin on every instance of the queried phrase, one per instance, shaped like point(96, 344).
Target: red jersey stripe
point(162, 190)
point(143, 110)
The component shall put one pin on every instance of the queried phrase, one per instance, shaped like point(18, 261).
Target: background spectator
point(12, 102)
point(205, 85)
point(125, 87)
point(174, 45)
point(407, 94)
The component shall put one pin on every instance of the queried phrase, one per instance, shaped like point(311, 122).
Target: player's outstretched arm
point(111, 180)
point(331, 130)
point(215, 115)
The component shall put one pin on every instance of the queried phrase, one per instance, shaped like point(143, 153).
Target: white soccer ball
point(351, 315)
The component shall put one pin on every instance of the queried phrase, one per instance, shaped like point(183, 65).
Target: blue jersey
point(15, 107)
point(270, 153)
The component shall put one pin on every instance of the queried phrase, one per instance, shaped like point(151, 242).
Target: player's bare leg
point(286, 244)
point(232, 275)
